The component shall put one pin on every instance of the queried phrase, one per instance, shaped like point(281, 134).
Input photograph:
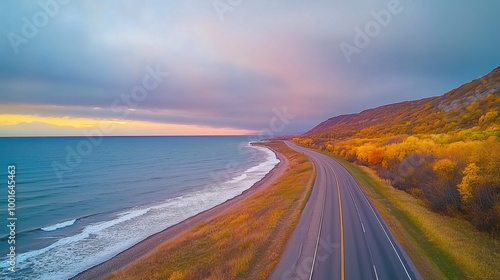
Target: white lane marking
point(355, 205)
point(375, 269)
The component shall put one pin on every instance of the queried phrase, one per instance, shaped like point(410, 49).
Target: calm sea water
point(79, 203)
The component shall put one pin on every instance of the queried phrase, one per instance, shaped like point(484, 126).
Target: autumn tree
point(469, 182)
point(445, 168)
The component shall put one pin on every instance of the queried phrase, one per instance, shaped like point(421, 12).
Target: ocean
point(80, 201)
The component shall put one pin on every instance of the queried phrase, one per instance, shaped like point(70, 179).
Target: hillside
point(440, 114)
point(444, 150)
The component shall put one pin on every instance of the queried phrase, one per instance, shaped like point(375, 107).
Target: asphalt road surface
point(340, 234)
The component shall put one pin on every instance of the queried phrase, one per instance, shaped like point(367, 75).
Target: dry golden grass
point(244, 242)
point(441, 247)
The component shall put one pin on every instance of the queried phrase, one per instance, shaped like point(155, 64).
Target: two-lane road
point(340, 234)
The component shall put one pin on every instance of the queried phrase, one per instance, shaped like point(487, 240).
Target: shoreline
point(148, 245)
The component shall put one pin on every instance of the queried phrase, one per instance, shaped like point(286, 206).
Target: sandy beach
point(148, 245)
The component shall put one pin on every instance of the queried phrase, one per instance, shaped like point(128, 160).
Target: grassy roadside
point(243, 242)
point(441, 247)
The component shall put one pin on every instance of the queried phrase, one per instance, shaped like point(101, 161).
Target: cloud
point(232, 73)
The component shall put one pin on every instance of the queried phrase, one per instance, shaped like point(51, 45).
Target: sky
point(229, 67)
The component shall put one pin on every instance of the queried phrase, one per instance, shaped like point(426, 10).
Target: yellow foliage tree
point(364, 151)
point(308, 142)
point(445, 168)
point(329, 148)
point(176, 275)
point(488, 117)
point(469, 181)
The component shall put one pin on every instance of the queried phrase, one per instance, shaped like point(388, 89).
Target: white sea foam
point(238, 178)
point(101, 241)
point(59, 225)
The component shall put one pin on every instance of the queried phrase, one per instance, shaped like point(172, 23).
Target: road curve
point(340, 234)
